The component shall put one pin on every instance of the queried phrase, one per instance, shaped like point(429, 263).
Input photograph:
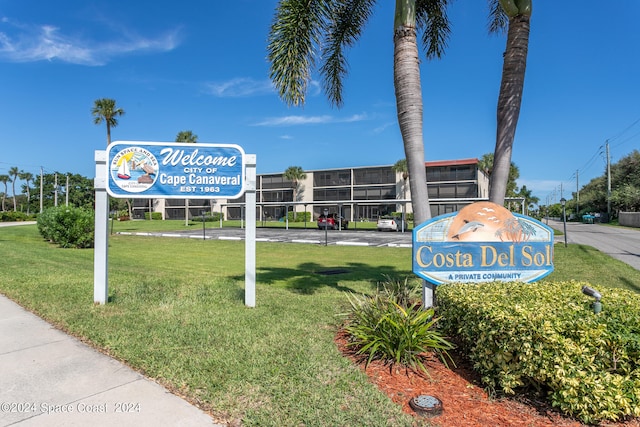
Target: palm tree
point(187, 136)
point(27, 177)
point(518, 13)
point(401, 167)
point(529, 198)
point(104, 110)
point(295, 174)
point(486, 164)
point(14, 173)
point(4, 179)
point(304, 30)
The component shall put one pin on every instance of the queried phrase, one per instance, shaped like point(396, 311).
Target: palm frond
point(349, 19)
point(294, 39)
point(498, 19)
point(432, 20)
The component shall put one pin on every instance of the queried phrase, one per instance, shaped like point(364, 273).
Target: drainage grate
point(426, 405)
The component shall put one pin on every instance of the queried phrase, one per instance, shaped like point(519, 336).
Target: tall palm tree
point(187, 136)
point(517, 14)
point(14, 173)
point(105, 110)
point(529, 198)
point(27, 177)
point(401, 167)
point(4, 179)
point(295, 174)
point(304, 30)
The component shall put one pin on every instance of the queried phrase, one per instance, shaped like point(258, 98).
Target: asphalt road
point(311, 235)
point(618, 242)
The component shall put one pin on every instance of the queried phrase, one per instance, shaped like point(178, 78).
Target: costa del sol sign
point(483, 242)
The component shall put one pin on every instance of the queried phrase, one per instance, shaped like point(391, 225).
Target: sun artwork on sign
point(134, 169)
point(482, 242)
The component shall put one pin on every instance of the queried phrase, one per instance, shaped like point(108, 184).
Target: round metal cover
point(426, 405)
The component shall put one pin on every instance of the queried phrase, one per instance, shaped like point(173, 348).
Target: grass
point(176, 313)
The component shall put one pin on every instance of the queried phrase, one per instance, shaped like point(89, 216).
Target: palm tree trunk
point(509, 101)
point(406, 73)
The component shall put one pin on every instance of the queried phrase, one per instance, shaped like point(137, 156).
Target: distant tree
point(105, 110)
point(529, 198)
point(27, 177)
point(401, 167)
point(305, 33)
point(295, 174)
point(4, 179)
point(187, 136)
point(486, 164)
point(518, 13)
point(14, 173)
point(80, 191)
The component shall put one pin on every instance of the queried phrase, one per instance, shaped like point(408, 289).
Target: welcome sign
point(483, 242)
point(175, 170)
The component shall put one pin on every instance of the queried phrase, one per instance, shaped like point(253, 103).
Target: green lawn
point(177, 313)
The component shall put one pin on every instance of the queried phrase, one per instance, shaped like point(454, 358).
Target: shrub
point(10, 216)
point(388, 327)
point(546, 335)
point(69, 227)
point(154, 215)
point(298, 216)
point(214, 217)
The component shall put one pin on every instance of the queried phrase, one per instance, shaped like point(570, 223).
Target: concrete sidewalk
point(48, 378)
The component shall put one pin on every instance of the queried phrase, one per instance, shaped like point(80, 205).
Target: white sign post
point(250, 232)
point(100, 275)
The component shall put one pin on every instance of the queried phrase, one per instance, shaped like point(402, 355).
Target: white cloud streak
point(31, 43)
point(240, 87)
point(309, 120)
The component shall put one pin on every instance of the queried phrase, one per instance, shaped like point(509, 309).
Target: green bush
point(214, 217)
point(408, 216)
point(10, 216)
point(68, 227)
point(154, 215)
point(396, 330)
point(546, 335)
point(299, 216)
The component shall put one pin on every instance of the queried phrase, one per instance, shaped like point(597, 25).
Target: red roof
point(452, 162)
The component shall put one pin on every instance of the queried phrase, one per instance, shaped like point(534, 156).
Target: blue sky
point(201, 65)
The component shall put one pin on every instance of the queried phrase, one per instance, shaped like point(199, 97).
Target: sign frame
point(462, 247)
point(174, 170)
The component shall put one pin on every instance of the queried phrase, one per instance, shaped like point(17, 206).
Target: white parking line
point(352, 244)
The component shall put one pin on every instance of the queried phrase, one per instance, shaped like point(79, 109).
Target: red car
point(332, 221)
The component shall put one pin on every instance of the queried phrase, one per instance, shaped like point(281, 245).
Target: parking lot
point(312, 236)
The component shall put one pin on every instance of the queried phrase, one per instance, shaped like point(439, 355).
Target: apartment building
point(357, 193)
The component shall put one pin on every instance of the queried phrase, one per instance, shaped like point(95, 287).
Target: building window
point(382, 175)
point(332, 178)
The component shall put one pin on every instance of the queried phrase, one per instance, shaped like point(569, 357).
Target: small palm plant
point(392, 326)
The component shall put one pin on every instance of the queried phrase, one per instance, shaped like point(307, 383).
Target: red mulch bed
point(465, 402)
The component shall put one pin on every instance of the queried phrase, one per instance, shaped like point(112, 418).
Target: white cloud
point(309, 120)
point(240, 87)
point(30, 43)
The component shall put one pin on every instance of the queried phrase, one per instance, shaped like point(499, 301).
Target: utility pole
point(41, 184)
point(55, 191)
point(608, 183)
point(577, 194)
